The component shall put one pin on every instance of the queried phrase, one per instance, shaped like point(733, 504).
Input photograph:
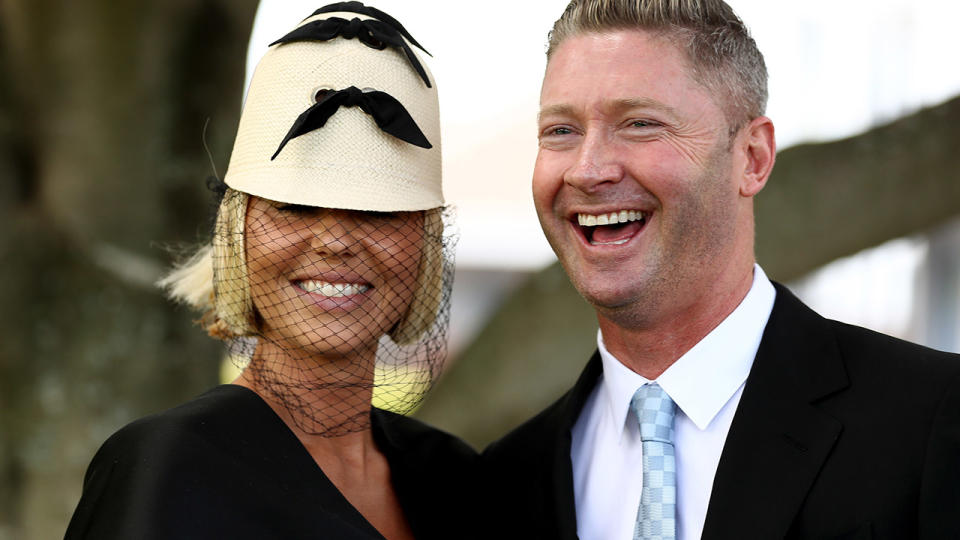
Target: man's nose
point(597, 163)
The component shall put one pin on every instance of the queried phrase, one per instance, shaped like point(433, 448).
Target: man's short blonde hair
point(722, 55)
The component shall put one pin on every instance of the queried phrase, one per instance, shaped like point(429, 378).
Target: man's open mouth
point(611, 229)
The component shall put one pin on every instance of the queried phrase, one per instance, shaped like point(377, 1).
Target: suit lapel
point(563, 506)
point(779, 439)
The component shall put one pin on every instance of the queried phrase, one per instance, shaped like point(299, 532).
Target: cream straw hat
point(349, 162)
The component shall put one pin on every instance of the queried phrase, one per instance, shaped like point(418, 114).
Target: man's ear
point(759, 149)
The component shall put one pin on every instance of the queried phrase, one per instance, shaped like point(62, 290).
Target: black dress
point(224, 465)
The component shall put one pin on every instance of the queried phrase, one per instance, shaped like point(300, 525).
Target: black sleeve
point(940, 484)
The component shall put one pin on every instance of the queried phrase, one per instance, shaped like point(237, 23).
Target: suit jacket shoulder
point(840, 431)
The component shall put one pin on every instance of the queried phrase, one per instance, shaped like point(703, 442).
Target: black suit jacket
point(840, 433)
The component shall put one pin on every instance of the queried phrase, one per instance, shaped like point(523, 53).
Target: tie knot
point(655, 411)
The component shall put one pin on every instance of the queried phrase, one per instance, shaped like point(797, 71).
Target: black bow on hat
point(387, 112)
point(358, 7)
point(373, 33)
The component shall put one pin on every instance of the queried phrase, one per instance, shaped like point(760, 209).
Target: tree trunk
point(102, 110)
point(824, 201)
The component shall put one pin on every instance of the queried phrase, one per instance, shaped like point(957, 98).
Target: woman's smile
point(332, 290)
point(334, 296)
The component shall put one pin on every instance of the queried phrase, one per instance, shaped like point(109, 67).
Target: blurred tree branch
point(829, 200)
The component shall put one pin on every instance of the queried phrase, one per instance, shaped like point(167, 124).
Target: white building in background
point(908, 287)
point(836, 69)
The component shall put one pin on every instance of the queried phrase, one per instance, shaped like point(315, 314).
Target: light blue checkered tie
point(657, 515)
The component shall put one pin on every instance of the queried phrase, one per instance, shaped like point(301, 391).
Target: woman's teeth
point(623, 216)
point(334, 290)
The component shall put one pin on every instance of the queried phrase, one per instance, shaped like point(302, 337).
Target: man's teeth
point(614, 243)
point(623, 216)
point(334, 290)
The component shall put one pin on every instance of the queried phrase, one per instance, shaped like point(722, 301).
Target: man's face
point(627, 136)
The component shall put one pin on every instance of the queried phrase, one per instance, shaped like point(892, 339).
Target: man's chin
point(608, 300)
point(627, 305)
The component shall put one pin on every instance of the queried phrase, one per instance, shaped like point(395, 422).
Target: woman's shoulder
point(218, 432)
point(210, 417)
point(177, 468)
point(197, 431)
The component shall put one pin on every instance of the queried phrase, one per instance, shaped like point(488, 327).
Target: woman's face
point(327, 281)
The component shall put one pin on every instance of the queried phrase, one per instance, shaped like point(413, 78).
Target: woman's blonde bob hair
point(215, 282)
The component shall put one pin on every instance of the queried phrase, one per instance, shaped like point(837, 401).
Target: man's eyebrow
point(616, 105)
point(555, 110)
point(642, 103)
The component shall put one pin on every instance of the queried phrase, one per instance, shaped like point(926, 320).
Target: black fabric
point(358, 7)
point(225, 466)
point(840, 433)
point(387, 112)
point(371, 32)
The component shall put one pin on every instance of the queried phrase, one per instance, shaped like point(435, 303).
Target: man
point(717, 405)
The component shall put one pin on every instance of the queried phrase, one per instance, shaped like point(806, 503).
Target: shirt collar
point(702, 380)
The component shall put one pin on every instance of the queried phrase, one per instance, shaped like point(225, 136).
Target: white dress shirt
point(706, 384)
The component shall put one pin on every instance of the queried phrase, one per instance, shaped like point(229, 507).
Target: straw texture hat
point(350, 162)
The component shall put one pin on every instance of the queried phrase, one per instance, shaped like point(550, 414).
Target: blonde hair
point(214, 280)
point(430, 288)
point(722, 55)
point(232, 312)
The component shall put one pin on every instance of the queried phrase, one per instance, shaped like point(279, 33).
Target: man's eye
point(642, 123)
point(561, 130)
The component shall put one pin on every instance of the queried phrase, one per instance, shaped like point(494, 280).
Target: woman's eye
point(295, 209)
point(380, 216)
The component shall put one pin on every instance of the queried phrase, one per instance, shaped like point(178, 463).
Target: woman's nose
point(333, 233)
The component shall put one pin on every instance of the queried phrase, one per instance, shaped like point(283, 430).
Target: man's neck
point(650, 349)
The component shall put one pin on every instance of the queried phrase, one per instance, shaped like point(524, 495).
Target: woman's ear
point(759, 152)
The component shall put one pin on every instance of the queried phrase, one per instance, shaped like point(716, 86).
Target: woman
point(328, 273)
